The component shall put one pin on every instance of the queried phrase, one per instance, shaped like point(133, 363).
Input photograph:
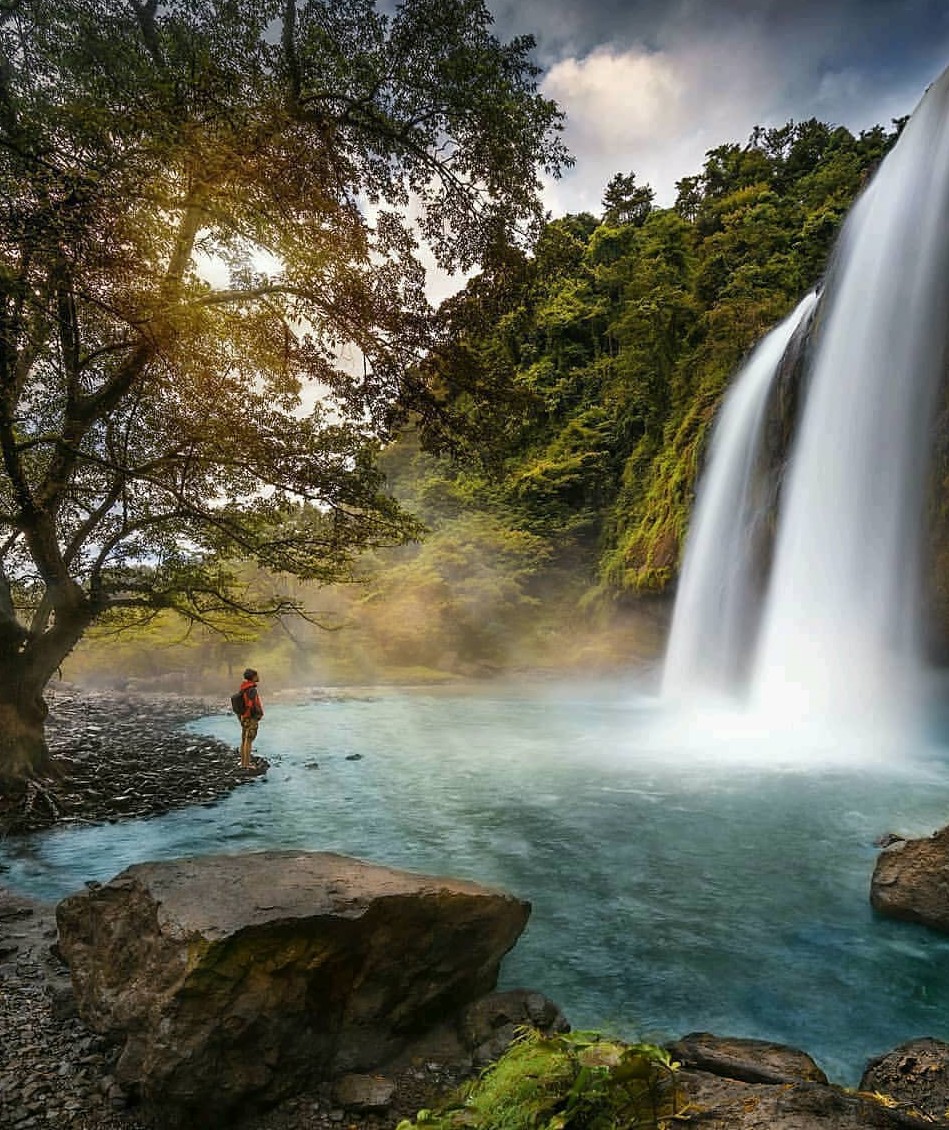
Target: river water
point(685, 873)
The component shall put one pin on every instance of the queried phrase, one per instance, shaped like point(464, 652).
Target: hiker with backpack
point(247, 705)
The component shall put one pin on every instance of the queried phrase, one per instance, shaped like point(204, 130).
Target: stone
point(235, 981)
point(716, 1103)
point(489, 1026)
point(911, 881)
point(916, 1072)
point(364, 1092)
point(752, 1061)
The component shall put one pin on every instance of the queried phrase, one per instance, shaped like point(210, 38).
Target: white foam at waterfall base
point(712, 741)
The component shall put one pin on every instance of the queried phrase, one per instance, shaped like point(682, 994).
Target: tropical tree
point(213, 221)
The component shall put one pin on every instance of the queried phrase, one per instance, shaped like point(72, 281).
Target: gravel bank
point(117, 757)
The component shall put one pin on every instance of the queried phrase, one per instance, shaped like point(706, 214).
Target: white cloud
point(652, 113)
point(657, 112)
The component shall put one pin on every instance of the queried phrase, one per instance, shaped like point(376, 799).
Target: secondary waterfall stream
point(838, 631)
point(715, 607)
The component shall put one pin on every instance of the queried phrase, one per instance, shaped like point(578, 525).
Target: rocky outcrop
point(236, 980)
point(717, 1103)
point(911, 881)
point(751, 1061)
point(916, 1072)
point(737, 1084)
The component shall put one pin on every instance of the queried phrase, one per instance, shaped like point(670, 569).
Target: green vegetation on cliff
point(586, 375)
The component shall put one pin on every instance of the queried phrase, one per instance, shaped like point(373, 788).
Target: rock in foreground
point(916, 1072)
point(750, 1061)
point(911, 881)
point(234, 981)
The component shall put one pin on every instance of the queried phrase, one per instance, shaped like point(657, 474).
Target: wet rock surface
point(740, 1084)
point(911, 881)
point(916, 1072)
point(715, 1102)
point(752, 1061)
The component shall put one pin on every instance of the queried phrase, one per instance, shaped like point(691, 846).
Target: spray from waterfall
point(715, 610)
point(838, 633)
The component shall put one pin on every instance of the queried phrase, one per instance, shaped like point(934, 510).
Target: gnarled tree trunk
point(23, 750)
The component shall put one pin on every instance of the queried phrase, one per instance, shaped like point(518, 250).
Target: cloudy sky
point(650, 85)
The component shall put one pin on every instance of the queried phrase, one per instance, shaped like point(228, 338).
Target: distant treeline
point(572, 394)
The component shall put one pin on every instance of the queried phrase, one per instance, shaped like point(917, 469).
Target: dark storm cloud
point(897, 31)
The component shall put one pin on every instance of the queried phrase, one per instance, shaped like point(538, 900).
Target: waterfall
point(838, 632)
point(713, 620)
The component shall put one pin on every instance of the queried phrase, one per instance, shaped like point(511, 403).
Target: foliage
point(155, 426)
point(577, 1080)
point(609, 349)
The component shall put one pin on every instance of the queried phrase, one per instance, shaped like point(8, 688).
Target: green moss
point(575, 1080)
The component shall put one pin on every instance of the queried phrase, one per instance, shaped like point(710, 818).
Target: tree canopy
point(213, 222)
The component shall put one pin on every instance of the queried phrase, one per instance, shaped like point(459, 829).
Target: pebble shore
point(117, 757)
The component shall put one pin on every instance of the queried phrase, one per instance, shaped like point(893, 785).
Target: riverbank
point(119, 756)
point(122, 756)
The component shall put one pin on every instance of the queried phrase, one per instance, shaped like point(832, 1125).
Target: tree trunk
point(23, 751)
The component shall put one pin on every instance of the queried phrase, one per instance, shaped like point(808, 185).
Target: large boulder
point(911, 881)
point(234, 981)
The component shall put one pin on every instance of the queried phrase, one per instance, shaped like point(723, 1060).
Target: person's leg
point(248, 733)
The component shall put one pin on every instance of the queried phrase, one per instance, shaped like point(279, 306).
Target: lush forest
point(554, 455)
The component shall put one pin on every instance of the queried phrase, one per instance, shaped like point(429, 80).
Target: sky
point(649, 86)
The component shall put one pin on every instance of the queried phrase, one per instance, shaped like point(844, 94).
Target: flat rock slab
point(235, 981)
point(752, 1061)
point(911, 881)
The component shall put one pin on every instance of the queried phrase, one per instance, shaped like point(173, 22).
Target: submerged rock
point(911, 881)
point(234, 981)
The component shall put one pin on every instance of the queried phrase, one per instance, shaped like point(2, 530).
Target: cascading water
point(838, 633)
point(713, 620)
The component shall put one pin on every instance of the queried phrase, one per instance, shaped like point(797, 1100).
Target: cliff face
point(935, 618)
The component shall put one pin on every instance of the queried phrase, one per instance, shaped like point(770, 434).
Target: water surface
point(685, 874)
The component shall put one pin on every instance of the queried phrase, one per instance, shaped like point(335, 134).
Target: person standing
point(250, 716)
